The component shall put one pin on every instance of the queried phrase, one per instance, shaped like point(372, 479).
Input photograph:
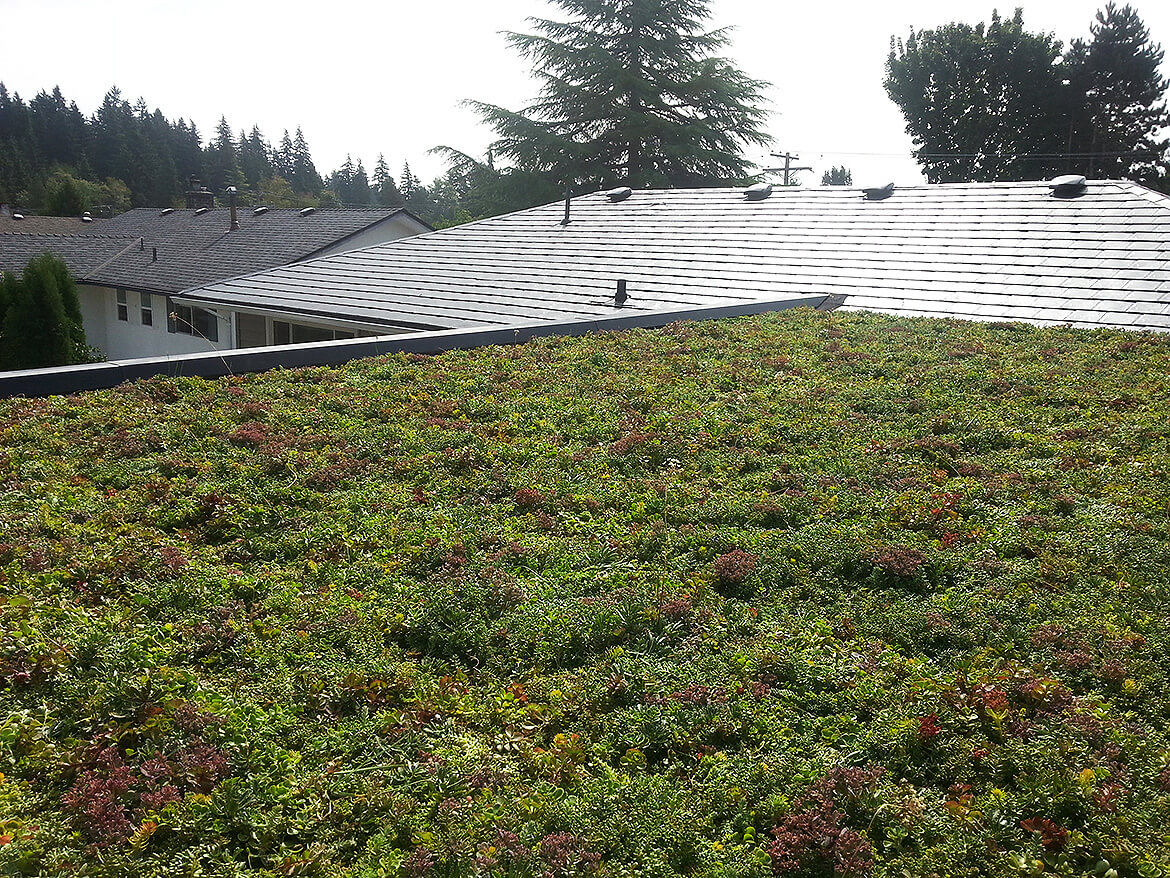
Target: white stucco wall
point(125, 339)
point(388, 230)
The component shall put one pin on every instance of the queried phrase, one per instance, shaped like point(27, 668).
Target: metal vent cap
point(758, 192)
point(1068, 186)
point(877, 193)
point(621, 193)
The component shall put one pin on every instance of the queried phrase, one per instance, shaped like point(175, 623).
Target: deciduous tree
point(996, 102)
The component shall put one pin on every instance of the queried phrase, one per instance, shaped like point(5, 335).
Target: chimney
point(198, 196)
point(235, 226)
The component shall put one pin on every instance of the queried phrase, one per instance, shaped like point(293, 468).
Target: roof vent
point(1068, 186)
point(199, 211)
point(18, 216)
point(878, 193)
point(758, 192)
point(308, 210)
point(166, 211)
point(619, 194)
point(259, 210)
point(86, 218)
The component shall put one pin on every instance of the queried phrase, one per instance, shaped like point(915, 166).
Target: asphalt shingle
point(197, 248)
point(987, 251)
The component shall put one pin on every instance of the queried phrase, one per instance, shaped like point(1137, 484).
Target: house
point(1080, 253)
point(130, 268)
point(13, 221)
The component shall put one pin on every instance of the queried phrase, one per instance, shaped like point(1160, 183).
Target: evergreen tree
point(410, 183)
point(303, 176)
point(254, 157)
point(633, 92)
point(222, 161)
point(42, 319)
point(282, 157)
point(1118, 108)
point(837, 176)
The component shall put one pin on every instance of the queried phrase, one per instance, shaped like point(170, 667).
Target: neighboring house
point(130, 268)
point(15, 221)
point(1084, 255)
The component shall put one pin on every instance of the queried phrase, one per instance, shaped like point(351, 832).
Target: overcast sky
point(369, 77)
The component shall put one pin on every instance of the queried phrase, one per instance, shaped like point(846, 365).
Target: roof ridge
point(68, 235)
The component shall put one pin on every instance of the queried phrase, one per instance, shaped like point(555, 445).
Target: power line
point(973, 155)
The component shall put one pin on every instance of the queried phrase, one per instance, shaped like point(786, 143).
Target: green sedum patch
point(798, 595)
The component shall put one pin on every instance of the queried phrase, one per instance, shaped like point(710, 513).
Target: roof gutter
point(215, 364)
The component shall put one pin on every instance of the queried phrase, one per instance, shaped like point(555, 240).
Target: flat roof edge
point(216, 364)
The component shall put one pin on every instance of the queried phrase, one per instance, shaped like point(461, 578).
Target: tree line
point(995, 101)
point(56, 160)
point(635, 93)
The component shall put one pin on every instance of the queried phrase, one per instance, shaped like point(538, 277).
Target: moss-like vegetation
point(802, 594)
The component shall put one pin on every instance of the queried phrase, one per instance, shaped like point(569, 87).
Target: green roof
point(777, 595)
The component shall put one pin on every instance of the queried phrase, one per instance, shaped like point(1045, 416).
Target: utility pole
point(788, 170)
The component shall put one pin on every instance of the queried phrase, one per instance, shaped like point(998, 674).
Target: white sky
point(368, 77)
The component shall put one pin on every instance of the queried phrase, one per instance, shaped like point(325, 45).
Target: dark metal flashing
point(215, 364)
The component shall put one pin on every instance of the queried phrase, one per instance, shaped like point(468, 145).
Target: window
point(189, 320)
point(123, 307)
point(297, 333)
point(147, 310)
point(251, 331)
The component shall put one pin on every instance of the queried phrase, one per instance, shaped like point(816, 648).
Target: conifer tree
point(304, 176)
point(42, 317)
point(223, 164)
point(410, 183)
point(282, 157)
point(1118, 108)
point(633, 92)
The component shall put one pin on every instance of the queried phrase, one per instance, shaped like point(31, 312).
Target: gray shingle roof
point(82, 253)
point(49, 225)
point(195, 249)
point(990, 251)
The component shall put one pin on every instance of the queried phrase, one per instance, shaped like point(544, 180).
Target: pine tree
point(633, 92)
point(1118, 107)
